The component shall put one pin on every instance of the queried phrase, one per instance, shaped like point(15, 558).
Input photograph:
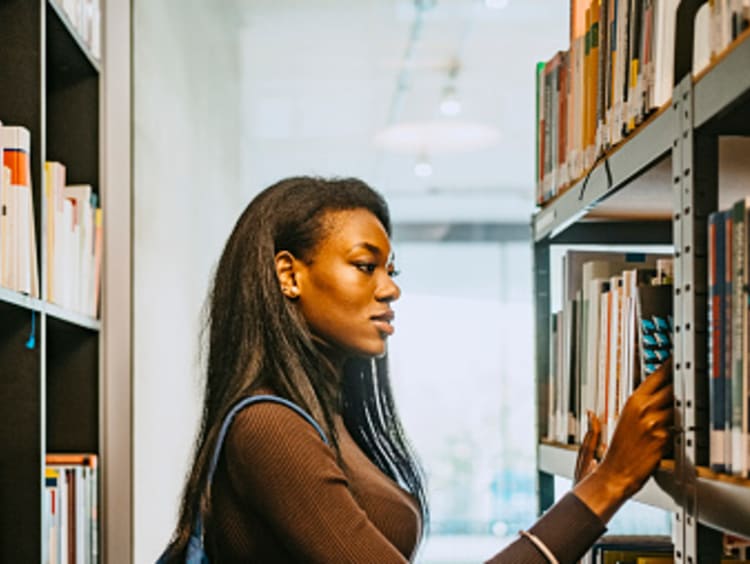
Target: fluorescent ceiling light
point(433, 137)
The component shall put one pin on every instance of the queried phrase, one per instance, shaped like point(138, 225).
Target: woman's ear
point(286, 272)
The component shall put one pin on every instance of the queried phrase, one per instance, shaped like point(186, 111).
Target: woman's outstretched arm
point(640, 440)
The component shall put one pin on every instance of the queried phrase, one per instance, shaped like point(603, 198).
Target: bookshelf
point(50, 356)
point(676, 149)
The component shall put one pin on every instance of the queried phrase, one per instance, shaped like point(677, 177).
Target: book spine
point(715, 343)
point(539, 163)
point(728, 337)
point(739, 419)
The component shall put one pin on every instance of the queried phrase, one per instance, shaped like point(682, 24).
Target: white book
point(592, 389)
point(602, 410)
point(615, 350)
point(64, 524)
point(666, 14)
point(5, 233)
point(84, 245)
point(23, 261)
point(702, 41)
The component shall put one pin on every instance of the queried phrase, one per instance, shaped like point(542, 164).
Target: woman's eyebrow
point(374, 249)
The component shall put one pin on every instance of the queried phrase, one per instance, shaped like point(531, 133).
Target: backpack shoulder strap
point(197, 533)
point(242, 404)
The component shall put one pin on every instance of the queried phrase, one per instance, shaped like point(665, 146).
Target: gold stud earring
point(290, 291)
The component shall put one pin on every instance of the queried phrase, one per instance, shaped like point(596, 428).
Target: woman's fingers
point(587, 452)
point(659, 378)
point(663, 398)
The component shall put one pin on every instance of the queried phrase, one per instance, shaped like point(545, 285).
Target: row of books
point(18, 256)
point(70, 517)
point(74, 238)
point(729, 339)
point(85, 17)
point(631, 549)
point(642, 549)
point(618, 70)
point(73, 230)
point(614, 329)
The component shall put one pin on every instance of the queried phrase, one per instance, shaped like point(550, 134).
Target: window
point(462, 370)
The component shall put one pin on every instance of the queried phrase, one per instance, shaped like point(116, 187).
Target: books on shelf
point(72, 233)
point(18, 255)
point(729, 339)
point(618, 70)
point(599, 349)
point(85, 17)
point(70, 517)
point(727, 19)
point(74, 242)
point(632, 549)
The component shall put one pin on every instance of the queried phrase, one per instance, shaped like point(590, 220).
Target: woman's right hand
point(640, 440)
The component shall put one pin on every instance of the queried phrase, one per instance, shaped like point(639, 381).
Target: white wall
point(186, 200)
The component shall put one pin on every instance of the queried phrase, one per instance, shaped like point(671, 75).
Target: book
point(22, 273)
point(728, 337)
point(716, 357)
point(740, 358)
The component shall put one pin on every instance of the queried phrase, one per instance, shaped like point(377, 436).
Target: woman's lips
point(384, 322)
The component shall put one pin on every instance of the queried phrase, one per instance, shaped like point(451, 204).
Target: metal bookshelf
point(660, 491)
point(729, 510)
point(681, 138)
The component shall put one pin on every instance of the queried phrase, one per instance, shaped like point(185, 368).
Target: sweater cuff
point(569, 528)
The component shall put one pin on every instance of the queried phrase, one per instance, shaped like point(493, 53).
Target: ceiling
point(321, 78)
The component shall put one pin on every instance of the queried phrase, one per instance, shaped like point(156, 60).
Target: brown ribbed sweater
point(280, 496)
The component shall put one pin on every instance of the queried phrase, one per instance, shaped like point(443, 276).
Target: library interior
point(568, 212)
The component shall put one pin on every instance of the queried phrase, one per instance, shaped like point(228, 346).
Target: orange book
point(17, 160)
point(593, 84)
point(577, 90)
point(72, 459)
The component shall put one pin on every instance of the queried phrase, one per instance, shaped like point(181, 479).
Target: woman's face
point(346, 287)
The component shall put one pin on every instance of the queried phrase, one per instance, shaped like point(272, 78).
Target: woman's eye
point(368, 267)
point(393, 272)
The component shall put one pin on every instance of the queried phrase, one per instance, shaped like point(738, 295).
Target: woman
point(301, 309)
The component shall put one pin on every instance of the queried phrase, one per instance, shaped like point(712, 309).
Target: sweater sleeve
point(568, 529)
point(284, 471)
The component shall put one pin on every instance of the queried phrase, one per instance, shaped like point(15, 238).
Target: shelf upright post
point(695, 176)
point(545, 481)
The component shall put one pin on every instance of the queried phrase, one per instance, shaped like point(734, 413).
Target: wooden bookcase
point(50, 358)
point(683, 137)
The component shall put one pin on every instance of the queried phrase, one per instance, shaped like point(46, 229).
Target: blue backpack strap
point(242, 404)
point(239, 406)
